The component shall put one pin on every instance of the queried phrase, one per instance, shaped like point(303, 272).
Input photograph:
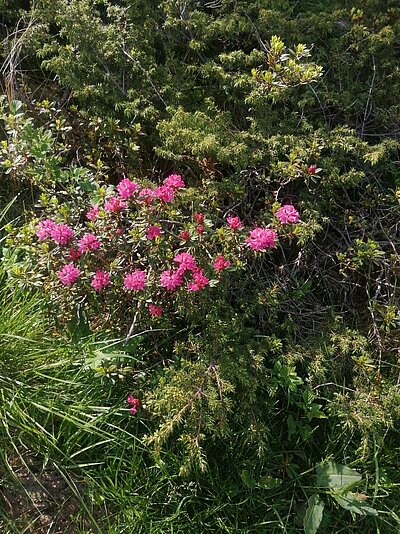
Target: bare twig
point(368, 105)
point(144, 71)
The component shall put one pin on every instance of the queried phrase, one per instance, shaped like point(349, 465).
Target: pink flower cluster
point(164, 193)
point(262, 238)
point(100, 280)
point(234, 223)
point(185, 235)
point(93, 213)
point(146, 195)
point(288, 214)
point(155, 311)
point(199, 281)
point(153, 232)
point(88, 242)
point(69, 274)
point(186, 262)
point(174, 181)
point(183, 268)
point(44, 229)
point(126, 188)
point(221, 263)
point(59, 233)
point(74, 255)
point(171, 279)
point(135, 280)
point(135, 403)
point(114, 205)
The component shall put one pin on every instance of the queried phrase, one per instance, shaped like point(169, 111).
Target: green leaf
point(314, 513)
point(350, 502)
point(87, 185)
point(247, 479)
point(315, 412)
point(15, 106)
point(268, 482)
point(333, 475)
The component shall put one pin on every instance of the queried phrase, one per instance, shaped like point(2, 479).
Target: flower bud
point(312, 169)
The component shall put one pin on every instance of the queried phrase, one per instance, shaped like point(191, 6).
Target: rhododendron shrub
point(144, 252)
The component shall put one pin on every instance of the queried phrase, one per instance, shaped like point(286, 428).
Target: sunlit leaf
point(313, 516)
point(352, 503)
point(333, 475)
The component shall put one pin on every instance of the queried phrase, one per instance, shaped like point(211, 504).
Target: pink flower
point(221, 263)
point(44, 229)
point(262, 238)
point(234, 223)
point(69, 274)
point(185, 235)
point(288, 214)
point(175, 181)
point(135, 280)
point(74, 255)
point(153, 232)
point(199, 281)
point(200, 229)
point(155, 311)
point(100, 280)
point(88, 242)
point(186, 262)
point(93, 213)
point(199, 217)
point(135, 403)
point(165, 193)
point(126, 188)
point(114, 204)
point(170, 279)
point(312, 169)
point(61, 234)
point(146, 195)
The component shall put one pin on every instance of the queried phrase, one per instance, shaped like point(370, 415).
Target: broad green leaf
point(333, 475)
point(15, 106)
point(350, 502)
point(314, 513)
point(100, 357)
point(268, 482)
point(315, 412)
point(248, 480)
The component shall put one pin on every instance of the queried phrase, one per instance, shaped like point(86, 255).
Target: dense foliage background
point(293, 363)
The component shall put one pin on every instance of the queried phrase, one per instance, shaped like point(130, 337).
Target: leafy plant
point(339, 479)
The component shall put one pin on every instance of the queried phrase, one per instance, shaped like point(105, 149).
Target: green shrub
point(291, 370)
